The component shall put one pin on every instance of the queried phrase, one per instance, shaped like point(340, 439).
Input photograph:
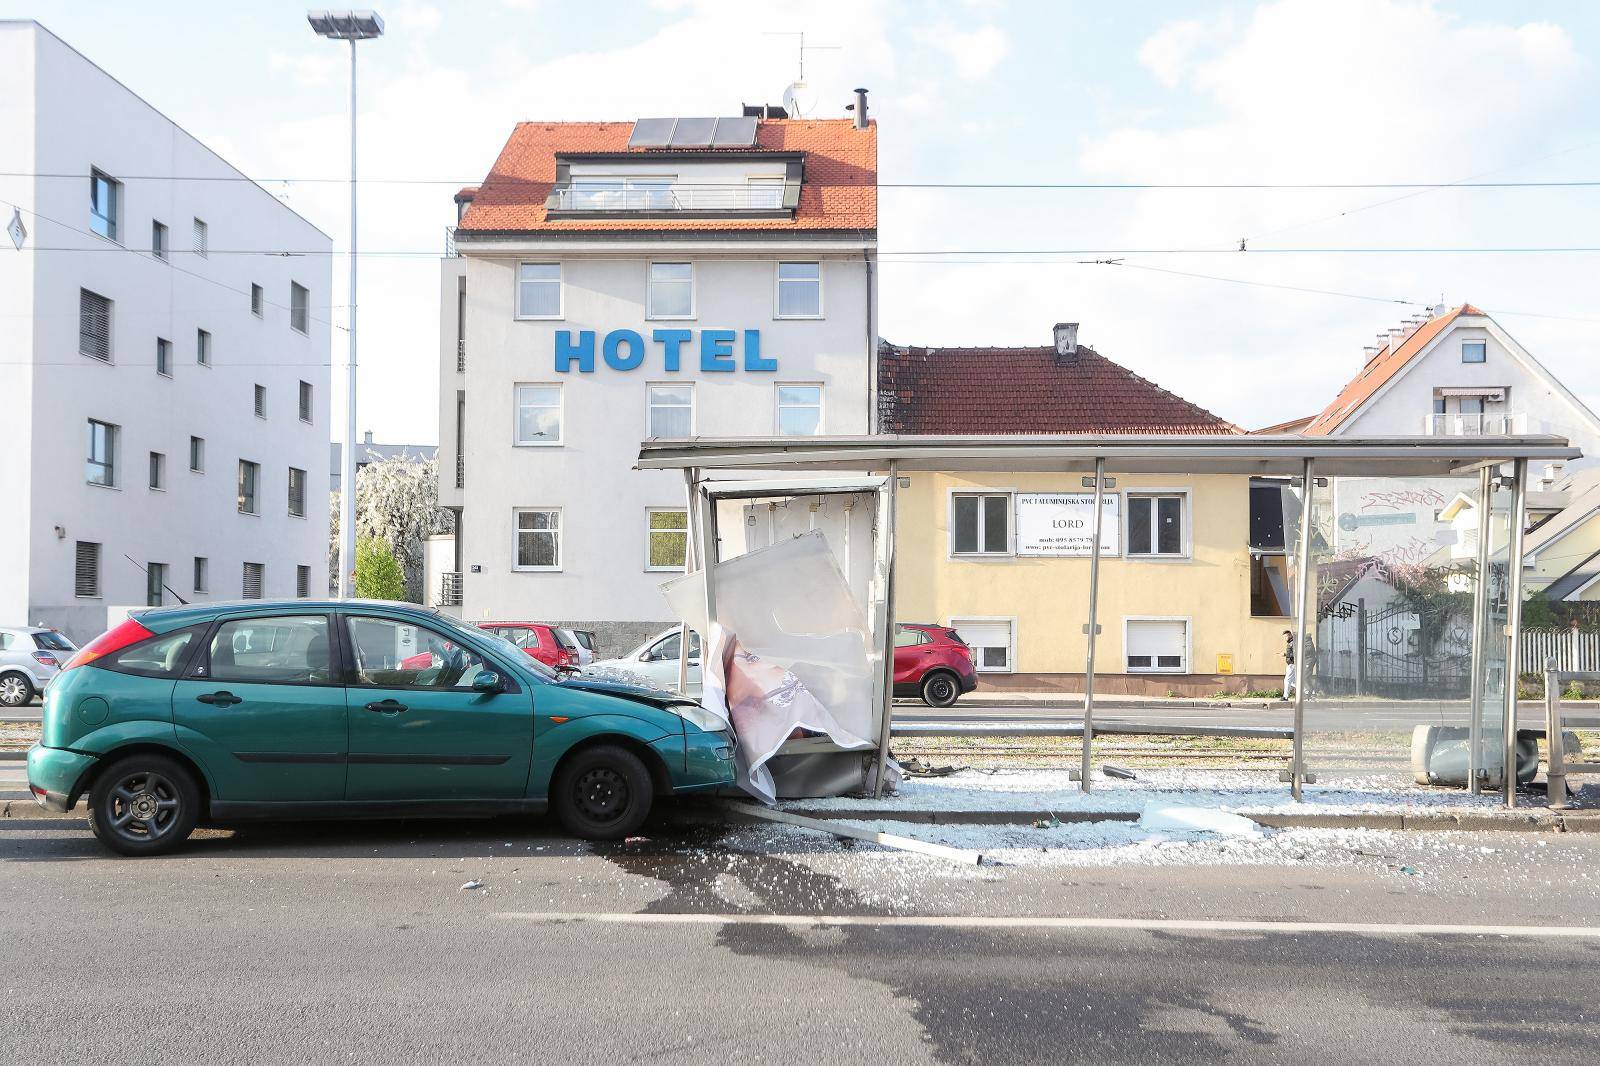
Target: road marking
point(961, 921)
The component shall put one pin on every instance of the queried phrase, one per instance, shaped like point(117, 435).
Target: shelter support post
point(1556, 774)
point(1305, 614)
point(689, 554)
point(1092, 629)
point(1513, 633)
point(1480, 622)
point(886, 638)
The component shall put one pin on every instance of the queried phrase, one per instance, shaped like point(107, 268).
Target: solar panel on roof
point(651, 133)
point(693, 132)
point(734, 131)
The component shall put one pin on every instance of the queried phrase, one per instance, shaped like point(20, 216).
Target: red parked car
point(932, 662)
point(542, 642)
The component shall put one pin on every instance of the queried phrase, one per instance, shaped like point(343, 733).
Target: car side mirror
point(488, 681)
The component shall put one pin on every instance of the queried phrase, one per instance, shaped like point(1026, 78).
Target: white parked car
point(29, 658)
point(657, 660)
point(581, 643)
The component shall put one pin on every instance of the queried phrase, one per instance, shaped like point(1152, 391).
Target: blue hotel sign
point(718, 350)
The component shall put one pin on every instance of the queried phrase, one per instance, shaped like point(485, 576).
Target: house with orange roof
point(609, 282)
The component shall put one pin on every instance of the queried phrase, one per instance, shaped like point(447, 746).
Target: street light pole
point(349, 26)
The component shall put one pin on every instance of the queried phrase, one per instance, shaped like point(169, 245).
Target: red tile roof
point(1379, 369)
point(839, 191)
point(1026, 390)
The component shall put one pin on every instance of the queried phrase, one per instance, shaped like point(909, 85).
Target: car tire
point(941, 689)
point(602, 793)
point(144, 805)
point(15, 689)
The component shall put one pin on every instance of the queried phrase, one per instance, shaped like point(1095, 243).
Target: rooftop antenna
point(799, 98)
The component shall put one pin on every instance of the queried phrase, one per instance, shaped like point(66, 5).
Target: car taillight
point(112, 640)
point(44, 658)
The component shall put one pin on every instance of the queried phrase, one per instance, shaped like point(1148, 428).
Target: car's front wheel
point(144, 805)
point(939, 689)
point(602, 793)
point(15, 690)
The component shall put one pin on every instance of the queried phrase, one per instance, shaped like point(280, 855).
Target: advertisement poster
point(1061, 523)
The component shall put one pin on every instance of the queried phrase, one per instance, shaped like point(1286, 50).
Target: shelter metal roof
point(1261, 454)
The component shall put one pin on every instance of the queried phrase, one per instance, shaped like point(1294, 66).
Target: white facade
point(266, 366)
point(597, 572)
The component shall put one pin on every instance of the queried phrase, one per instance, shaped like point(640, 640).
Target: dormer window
point(643, 193)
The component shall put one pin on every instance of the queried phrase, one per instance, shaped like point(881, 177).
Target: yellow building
point(1176, 607)
point(1187, 603)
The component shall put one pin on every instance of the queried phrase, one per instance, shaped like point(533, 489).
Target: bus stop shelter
point(1492, 469)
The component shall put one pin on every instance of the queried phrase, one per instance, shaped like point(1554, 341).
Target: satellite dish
point(799, 99)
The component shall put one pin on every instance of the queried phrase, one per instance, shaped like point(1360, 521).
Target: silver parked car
point(29, 658)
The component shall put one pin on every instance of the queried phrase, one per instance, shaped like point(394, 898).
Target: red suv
point(932, 662)
point(540, 641)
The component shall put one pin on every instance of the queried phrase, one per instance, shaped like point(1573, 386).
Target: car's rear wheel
point(602, 793)
point(15, 690)
point(144, 805)
point(940, 689)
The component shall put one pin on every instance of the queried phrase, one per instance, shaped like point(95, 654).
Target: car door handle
point(220, 699)
point(386, 706)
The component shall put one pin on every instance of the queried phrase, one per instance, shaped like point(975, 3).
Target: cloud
point(975, 52)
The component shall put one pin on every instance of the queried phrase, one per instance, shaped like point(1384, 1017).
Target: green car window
point(282, 649)
point(158, 656)
point(398, 654)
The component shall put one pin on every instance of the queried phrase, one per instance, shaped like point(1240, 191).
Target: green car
point(220, 713)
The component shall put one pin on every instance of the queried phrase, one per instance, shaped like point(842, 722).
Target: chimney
point(366, 438)
point(860, 108)
point(1066, 340)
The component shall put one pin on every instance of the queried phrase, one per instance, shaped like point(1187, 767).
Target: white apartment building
point(616, 281)
point(166, 377)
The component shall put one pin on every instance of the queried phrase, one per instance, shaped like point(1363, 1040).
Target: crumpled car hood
point(637, 693)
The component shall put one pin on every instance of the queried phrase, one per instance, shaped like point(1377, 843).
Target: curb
point(1540, 821)
point(13, 756)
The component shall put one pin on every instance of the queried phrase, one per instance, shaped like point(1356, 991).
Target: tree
point(397, 501)
point(378, 575)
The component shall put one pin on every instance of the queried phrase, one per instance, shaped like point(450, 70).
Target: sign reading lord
point(625, 349)
point(1061, 523)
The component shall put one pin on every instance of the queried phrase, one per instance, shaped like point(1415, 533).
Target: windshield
point(500, 644)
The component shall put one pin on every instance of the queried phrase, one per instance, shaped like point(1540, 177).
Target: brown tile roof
point(839, 191)
point(1026, 390)
point(1294, 425)
point(1379, 369)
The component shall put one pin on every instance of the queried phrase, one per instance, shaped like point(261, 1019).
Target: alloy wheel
point(144, 806)
point(13, 691)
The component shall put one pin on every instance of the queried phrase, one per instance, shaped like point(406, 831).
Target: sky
point(1279, 93)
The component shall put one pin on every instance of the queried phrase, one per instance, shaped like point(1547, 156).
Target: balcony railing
point(450, 588)
point(461, 355)
point(461, 470)
point(450, 242)
point(1474, 425)
point(673, 197)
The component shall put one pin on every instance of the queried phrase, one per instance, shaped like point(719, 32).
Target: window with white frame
point(799, 290)
point(671, 290)
point(671, 411)
point(200, 239)
point(799, 410)
point(1474, 351)
point(202, 347)
point(254, 581)
point(991, 641)
point(1156, 524)
point(1156, 645)
point(258, 300)
point(261, 401)
point(86, 572)
point(305, 401)
point(297, 492)
point(638, 192)
point(667, 529)
point(201, 566)
point(539, 290)
point(101, 465)
point(538, 414)
point(105, 203)
point(163, 357)
point(980, 523)
point(299, 307)
point(538, 532)
point(197, 454)
point(158, 471)
point(158, 240)
point(765, 193)
point(302, 582)
point(249, 481)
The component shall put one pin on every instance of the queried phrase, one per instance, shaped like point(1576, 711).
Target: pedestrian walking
point(1288, 664)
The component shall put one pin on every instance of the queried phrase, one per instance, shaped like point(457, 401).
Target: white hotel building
point(166, 419)
point(616, 281)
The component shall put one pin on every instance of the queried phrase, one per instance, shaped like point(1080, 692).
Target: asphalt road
point(356, 943)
